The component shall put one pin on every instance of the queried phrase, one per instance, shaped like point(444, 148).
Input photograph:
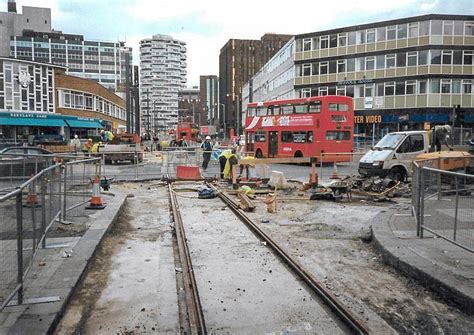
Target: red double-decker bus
point(305, 127)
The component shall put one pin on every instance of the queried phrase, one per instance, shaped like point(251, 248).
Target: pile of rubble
point(380, 188)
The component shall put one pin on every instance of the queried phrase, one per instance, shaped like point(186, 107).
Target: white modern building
point(275, 80)
point(162, 76)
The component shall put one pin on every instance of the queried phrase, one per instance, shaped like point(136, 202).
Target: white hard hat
point(208, 137)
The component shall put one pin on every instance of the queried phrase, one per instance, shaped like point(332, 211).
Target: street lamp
point(223, 114)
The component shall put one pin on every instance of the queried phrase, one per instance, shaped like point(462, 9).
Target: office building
point(239, 60)
point(189, 106)
point(162, 76)
point(209, 96)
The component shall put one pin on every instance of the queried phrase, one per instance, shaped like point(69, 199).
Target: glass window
point(410, 87)
point(424, 28)
point(315, 43)
point(306, 44)
point(467, 86)
point(434, 86)
point(448, 28)
point(315, 69)
point(301, 109)
point(402, 31)
point(435, 56)
point(379, 88)
point(332, 66)
point(469, 28)
point(389, 88)
point(338, 135)
point(341, 66)
point(286, 136)
point(341, 90)
point(411, 58)
point(351, 38)
point(380, 62)
point(413, 30)
point(370, 35)
point(458, 28)
point(447, 57)
point(370, 63)
point(457, 57)
point(361, 37)
point(333, 41)
point(456, 86)
point(391, 33)
point(467, 59)
point(309, 138)
point(276, 110)
point(413, 143)
point(324, 42)
point(260, 136)
point(251, 111)
point(261, 111)
point(299, 137)
point(445, 86)
point(306, 70)
point(315, 107)
point(381, 34)
point(335, 107)
point(323, 91)
point(351, 65)
point(350, 91)
point(369, 90)
point(436, 27)
point(422, 87)
point(390, 61)
point(360, 64)
point(323, 68)
point(423, 57)
point(342, 39)
point(359, 91)
point(401, 59)
point(400, 88)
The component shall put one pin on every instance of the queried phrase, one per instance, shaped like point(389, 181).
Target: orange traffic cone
point(96, 200)
point(334, 172)
point(32, 197)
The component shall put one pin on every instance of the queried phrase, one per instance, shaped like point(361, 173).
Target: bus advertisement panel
point(306, 127)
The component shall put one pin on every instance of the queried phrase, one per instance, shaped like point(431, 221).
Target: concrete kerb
point(75, 269)
point(394, 253)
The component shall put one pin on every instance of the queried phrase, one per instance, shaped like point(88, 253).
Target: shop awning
point(23, 121)
point(84, 124)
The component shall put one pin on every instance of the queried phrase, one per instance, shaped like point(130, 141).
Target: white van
point(394, 154)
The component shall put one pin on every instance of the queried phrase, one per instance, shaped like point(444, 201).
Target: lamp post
point(223, 119)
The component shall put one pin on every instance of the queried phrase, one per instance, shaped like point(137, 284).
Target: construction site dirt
point(131, 288)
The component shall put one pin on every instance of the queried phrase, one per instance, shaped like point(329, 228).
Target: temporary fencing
point(28, 213)
point(339, 165)
point(442, 204)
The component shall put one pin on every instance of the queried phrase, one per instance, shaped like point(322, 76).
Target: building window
point(390, 61)
point(448, 28)
point(401, 59)
point(324, 42)
point(361, 37)
point(369, 90)
point(447, 57)
point(315, 43)
point(306, 44)
point(467, 86)
point(436, 27)
point(315, 69)
point(323, 68)
point(467, 59)
point(445, 86)
point(469, 28)
point(360, 64)
point(370, 63)
point(400, 88)
point(380, 62)
point(323, 91)
point(411, 58)
point(402, 31)
point(413, 30)
point(350, 91)
point(381, 34)
point(434, 86)
point(341, 66)
point(370, 35)
point(422, 87)
point(342, 40)
point(389, 88)
point(351, 65)
point(424, 28)
point(341, 90)
point(306, 70)
point(351, 38)
point(423, 57)
point(333, 41)
point(456, 86)
point(391, 33)
point(379, 88)
point(359, 91)
point(332, 66)
point(410, 87)
point(435, 56)
point(457, 57)
point(305, 92)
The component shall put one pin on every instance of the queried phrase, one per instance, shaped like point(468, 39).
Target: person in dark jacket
point(206, 155)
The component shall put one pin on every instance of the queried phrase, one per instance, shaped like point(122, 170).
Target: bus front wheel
point(258, 154)
point(298, 154)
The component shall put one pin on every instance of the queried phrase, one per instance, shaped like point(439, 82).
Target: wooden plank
point(246, 204)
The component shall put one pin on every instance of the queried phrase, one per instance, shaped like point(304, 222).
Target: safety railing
point(28, 213)
point(443, 204)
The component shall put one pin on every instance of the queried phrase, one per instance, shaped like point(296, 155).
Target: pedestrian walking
point(76, 142)
point(206, 155)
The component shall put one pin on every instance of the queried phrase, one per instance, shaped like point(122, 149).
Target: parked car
point(23, 161)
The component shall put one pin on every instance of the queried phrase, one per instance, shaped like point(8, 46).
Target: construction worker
point(206, 155)
point(76, 142)
point(95, 148)
point(88, 145)
point(441, 135)
point(227, 159)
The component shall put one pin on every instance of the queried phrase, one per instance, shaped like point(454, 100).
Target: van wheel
point(397, 173)
point(258, 153)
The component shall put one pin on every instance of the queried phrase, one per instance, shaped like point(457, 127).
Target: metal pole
point(127, 94)
point(33, 217)
point(43, 210)
point(422, 202)
point(238, 116)
point(64, 206)
point(19, 241)
point(456, 208)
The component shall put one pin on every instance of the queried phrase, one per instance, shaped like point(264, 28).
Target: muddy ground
point(130, 287)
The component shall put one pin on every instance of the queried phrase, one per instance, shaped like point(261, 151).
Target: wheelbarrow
point(105, 183)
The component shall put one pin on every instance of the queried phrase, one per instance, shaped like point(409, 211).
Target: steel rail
point(342, 313)
point(195, 312)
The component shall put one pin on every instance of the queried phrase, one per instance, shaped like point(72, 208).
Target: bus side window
point(270, 111)
point(286, 136)
point(301, 109)
point(276, 110)
point(310, 137)
point(334, 107)
point(315, 107)
point(287, 110)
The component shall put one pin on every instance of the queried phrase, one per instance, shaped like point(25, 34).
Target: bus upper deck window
point(251, 111)
point(334, 107)
point(261, 111)
point(301, 109)
point(315, 107)
point(286, 110)
point(276, 110)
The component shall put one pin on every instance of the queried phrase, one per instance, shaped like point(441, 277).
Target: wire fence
point(29, 211)
point(442, 204)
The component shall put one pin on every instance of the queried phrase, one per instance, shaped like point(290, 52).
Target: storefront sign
point(368, 119)
point(368, 103)
point(354, 82)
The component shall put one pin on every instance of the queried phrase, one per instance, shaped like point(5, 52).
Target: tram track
point(195, 311)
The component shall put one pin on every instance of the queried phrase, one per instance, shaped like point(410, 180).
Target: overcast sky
point(206, 25)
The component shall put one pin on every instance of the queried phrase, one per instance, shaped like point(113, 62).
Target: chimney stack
point(11, 6)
